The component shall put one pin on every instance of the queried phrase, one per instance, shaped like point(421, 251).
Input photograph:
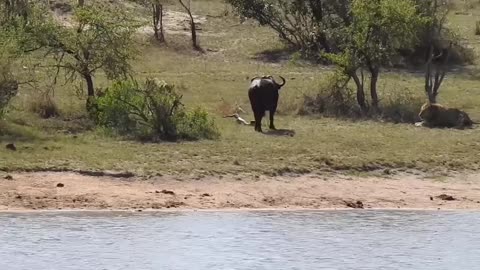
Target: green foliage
point(310, 26)
point(380, 28)
point(8, 53)
point(196, 125)
point(477, 28)
point(106, 34)
point(30, 22)
point(8, 89)
point(152, 111)
point(101, 39)
point(318, 27)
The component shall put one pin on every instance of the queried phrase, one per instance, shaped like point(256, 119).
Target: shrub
point(152, 111)
point(402, 106)
point(196, 125)
point(44, 106)
point(321, 26)
point(8, 89)
point(477, 28)
point(333, 98)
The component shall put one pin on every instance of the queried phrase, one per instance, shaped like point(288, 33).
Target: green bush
point(8, 89)
point(152, 111)
point(477, 28)
point(196, 125)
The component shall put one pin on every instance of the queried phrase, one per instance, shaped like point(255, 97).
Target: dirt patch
point(174, 22)
point(30, 191)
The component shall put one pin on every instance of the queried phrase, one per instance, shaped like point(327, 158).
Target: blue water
point(358, 240)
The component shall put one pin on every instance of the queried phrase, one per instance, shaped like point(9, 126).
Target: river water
point(357, 240)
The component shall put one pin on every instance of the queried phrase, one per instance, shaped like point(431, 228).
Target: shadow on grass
point(15, 133)
point(281, 132)
point(275, 55)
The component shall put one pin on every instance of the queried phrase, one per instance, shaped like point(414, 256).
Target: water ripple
point(357, 240)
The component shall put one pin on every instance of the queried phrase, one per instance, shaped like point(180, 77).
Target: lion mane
point(436, 115)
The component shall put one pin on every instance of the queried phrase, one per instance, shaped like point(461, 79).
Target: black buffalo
point(263, 95)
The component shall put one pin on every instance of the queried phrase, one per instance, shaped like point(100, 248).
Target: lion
point(436, 115)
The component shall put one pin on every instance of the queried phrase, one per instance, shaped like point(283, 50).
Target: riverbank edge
point(62, 191)
point(228, 210)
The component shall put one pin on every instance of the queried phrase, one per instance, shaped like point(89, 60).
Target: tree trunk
point(374, 72)
point(360, 93)
point(194, 34)
point(81, 3)
point(90, 88)
point(192, 26)
point(157, 12)
point(162, 34)
point(8, 8)
point(91, 103)
point(317, 10)
point(432, 98)
point(155, 18)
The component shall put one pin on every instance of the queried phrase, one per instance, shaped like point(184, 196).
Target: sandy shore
point(71, 191)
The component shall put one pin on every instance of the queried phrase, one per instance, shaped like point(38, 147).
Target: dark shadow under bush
point(334, 100)
point(44, 106)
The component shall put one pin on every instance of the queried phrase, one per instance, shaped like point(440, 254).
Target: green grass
point(320, 144)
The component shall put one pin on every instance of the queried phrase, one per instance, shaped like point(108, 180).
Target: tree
point(102, 40)
point(378, 30)
point(13, 8)
point(157, 20)
point(307, 25)
point(8, 83)
point(156, 8)
point(437, 56)
point(18, 22)
point(193, 27)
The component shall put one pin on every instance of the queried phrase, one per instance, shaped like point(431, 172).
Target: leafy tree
point(307, 25)
point(102, 40)
point(378, 30)
point(157, 8)
point(13, 23)
point(314, 26)
point(437, 54)
point(8, 83)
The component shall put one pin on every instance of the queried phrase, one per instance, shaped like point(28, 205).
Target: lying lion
point(436, 115)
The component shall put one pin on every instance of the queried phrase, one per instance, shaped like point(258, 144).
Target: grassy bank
point(235, 53)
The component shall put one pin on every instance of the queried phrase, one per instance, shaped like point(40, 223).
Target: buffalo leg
point(258, 121)
point(272, 114)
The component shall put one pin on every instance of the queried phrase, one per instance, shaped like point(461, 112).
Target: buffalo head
point(268, 80)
